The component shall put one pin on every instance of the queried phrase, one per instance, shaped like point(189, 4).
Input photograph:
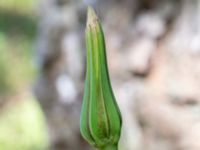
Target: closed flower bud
point(101, 121)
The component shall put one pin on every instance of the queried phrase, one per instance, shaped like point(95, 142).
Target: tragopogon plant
point(101, 121)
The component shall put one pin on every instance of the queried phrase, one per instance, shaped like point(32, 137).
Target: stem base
point(111, 147)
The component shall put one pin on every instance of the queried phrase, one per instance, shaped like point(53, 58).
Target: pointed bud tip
point(91, 17)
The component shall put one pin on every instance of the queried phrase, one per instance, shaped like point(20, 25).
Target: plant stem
point(111, 147)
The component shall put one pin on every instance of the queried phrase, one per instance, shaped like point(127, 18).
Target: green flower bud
point(101, 121)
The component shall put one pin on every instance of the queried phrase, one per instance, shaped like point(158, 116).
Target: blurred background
point(153, 50)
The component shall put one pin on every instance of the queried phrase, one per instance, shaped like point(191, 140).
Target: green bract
point(101, 121)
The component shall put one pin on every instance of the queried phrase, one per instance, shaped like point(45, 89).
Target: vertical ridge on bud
point(101, 121)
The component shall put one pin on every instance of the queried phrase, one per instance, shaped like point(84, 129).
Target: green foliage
point(21, 6)
point(16, 68)
point(17, 25)
point(17, 33)
point(22, 126)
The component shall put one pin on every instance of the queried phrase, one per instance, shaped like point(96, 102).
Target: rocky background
point(153, 50)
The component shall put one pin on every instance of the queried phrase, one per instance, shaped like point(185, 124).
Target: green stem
point(110, 147)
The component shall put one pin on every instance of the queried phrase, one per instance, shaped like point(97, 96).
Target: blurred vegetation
point(16, 68)
point(22, 125)
point(17, 32)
